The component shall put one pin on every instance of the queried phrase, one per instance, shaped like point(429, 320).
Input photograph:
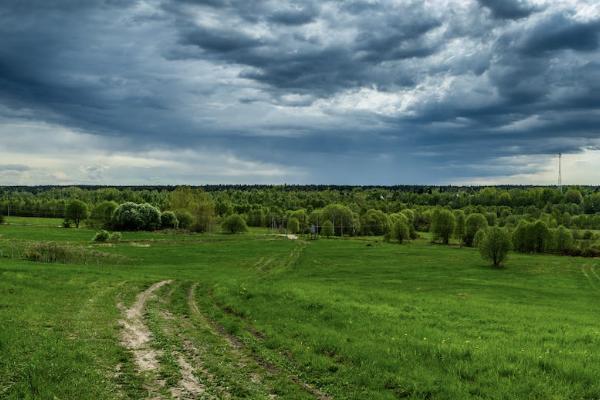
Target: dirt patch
point(136, 336)
point(189, 386)
point(136, 244)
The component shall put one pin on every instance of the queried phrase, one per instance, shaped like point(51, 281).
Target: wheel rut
point(136, 335)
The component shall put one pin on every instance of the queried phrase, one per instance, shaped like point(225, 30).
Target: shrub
point(234, 224)
point(169, 220)
point(1, 218)
point(150, 217)
point(101, 236)
point(400, 231)
point(51, 252)
point(442, 225)
point(327, 229)
point(76, 211)
point(134, 217)
point(494, 245)
point(293, 225)
point(127, 217)
point(185, 219)
point(473, 223)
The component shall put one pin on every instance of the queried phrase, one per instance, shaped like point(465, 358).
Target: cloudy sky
point(281, 91)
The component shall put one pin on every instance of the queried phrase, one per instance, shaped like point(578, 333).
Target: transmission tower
point(560, 172)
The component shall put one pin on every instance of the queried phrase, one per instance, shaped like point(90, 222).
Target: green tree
point(473, 223)
point(573, 196)
point(184, 218)
point(234, 224)
point(76, 211)
point(168, 220)
point(102, 214)
point(460, 227)
point(494, 245)
point(341, 217)
point(293, 225)
point(327, 229)
point(198, 203)
point(442, 225)
point(375, 223)
point(563, 240)
point(491, 218)
point(400, 230)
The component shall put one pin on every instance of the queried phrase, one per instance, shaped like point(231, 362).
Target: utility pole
point(560, 172)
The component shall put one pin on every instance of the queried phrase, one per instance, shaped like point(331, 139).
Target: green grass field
point(259, 316)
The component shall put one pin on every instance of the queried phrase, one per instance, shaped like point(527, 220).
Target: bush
point(134, 217)
point(101, 236)
point(76, 211)
point(150, 217)
point(52, 252)
point(184, 218)
point(442, 225)
point(473, 223)
point(400, 231)
point(494, 245)
point(327, 229)
point(127, 217)
point(293, 225)
point(1, 218)
point(169, 220)
point(234, 224)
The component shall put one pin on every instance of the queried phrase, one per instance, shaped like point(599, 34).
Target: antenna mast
point(560, 171)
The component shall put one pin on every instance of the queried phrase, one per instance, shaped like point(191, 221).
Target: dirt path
point(136, 336)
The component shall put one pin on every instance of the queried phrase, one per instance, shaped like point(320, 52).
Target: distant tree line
point(536, 219)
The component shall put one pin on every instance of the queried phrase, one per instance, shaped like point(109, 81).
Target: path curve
point(136, 335)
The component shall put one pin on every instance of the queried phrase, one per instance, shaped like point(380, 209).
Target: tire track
point(136, 335)
point(591, 281)
point(238, 346)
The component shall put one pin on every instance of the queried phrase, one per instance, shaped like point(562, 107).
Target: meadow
point(260, 316)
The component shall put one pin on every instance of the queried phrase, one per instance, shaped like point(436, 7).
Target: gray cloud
point(311, 86)
point(508, 9)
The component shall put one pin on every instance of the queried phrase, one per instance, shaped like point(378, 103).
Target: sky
point(299, 92)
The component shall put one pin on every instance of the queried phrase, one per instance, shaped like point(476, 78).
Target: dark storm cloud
point(311, 83)
point(508, 9)
point(559, 32)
